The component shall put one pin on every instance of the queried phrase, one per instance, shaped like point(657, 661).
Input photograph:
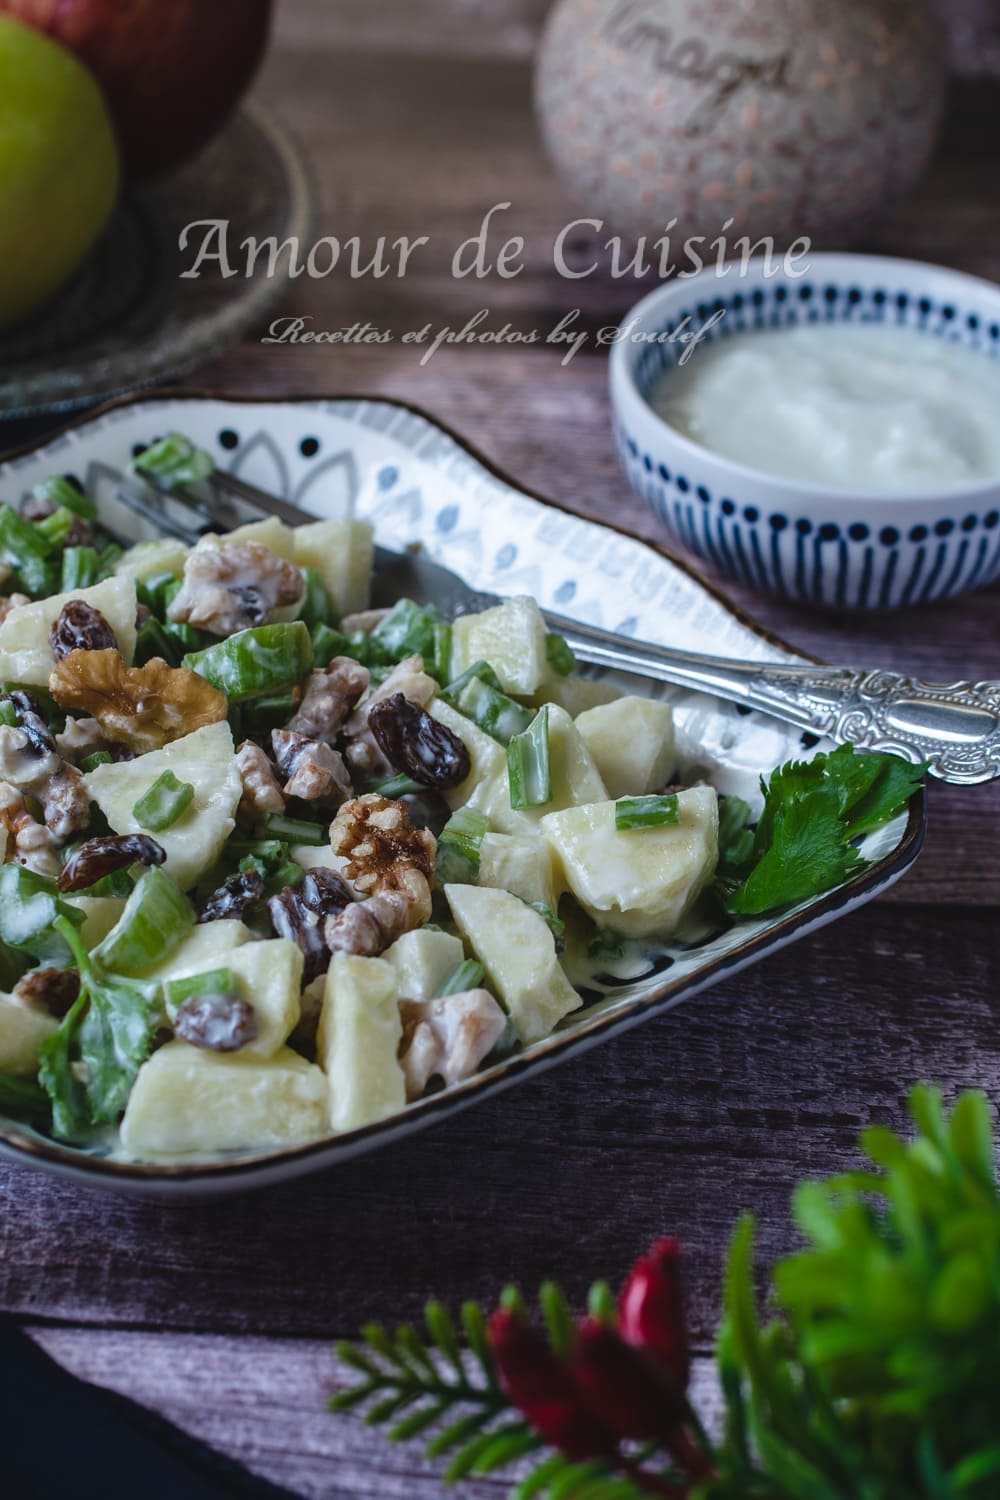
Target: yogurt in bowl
point(832, 435)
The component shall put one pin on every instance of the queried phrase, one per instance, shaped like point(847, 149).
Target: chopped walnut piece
point(448, 1038)
point(233, 587)
point(53, 991)
point(26, 841)
point(313, 772)
point(380, 846)
point(391, 865)
point(369, 927)
point(66, 803)
point(11, 601)
point(329, 699)
point(143, 708)
point(79, 738)
point(409, 678)
point(261, 789)
point(365, 620)
point(23, 762)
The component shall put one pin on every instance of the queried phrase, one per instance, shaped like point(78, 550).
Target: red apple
point(172, 70)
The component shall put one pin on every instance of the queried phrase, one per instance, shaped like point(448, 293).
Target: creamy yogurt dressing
point(854, 406)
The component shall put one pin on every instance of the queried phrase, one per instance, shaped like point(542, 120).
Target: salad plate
point(422, 487)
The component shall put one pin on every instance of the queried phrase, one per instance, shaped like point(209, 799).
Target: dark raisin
point(299, 915)
point(254, 606)
point(51, 990)
point(32, 722)
point(80, 627)
point(103, 856)
point(415, 743)
point(216, 1023)
point(236, 897)
point(79, 534)
point(427, 810)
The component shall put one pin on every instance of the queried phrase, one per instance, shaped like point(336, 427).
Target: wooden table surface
point(418, 120)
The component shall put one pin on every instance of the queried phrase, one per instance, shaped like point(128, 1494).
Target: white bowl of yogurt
point(829, 431)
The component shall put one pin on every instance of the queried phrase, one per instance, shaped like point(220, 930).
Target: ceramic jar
point(790, 118)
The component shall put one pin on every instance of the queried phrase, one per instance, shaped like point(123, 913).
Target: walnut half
point(141, 707)
point(380, 846)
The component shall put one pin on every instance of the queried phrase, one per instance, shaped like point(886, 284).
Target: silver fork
point(955, 727)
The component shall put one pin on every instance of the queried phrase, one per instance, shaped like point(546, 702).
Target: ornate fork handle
point(953, 726)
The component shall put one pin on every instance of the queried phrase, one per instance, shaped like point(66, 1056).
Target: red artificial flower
point(651, 1311)
point(542, 1387)
point(625, 1391)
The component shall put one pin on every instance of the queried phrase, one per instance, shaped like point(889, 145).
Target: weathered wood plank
point(677, 1126)
point(464, 28)
point(262, 1402)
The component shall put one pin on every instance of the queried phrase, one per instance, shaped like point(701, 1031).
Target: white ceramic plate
point(419, 484)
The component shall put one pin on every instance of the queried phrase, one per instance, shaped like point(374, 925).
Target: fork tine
point(240, 489)
point(157, 514)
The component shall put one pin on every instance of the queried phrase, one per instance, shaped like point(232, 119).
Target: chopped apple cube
point(268, 975)
point(643, 882)
point(207, 946)
point(575, 779)
point(576, 694)
point(22, 1032)
point(632, 743)
point(25, 650)
point(489, 763)
point(148, 559)
point(100, 913)
point(519, 863)
point(344, 552)
point(189, 1101)
point(511, 637)
point(206, 759)
point(518, 952)
point(424, 961)
point(358, 1043)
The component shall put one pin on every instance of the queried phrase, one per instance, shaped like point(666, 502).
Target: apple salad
point(276, 864)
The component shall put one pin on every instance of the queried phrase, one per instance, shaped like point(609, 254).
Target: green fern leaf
point(465, 1460)
point(344, 1400)
point(573, 1479)
point(350, 1354)
point(477, 1338)
point(442, 1331)
point(418, 1422)
point(459, 1432)
point(411, 1346)
point(972, 1139)
point(601, 1303)
point(558, 1318)
point(508, 1445)
point(391, 1406)
point(539, 1479)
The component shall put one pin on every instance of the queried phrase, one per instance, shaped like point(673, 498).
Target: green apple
point(59, 167)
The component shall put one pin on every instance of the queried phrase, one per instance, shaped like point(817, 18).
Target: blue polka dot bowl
point(839, 548)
